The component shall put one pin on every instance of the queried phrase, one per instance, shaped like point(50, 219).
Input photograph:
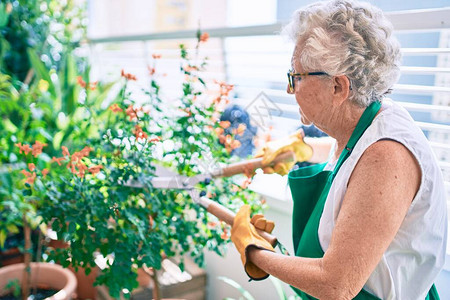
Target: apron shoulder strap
point(363, 123)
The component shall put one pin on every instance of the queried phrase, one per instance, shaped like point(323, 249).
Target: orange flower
point(58, 160)
point(151, 70)
point(128, 76)
point(139, 133)
point(155, 139)
point(65, 151)
point(81, 169)
point(211, 224)
point(224, 87)
point(189, 68)
point(224, 234)
point(25, 148)
point(95, 169)
point(241, 129)
point(187, 111)
point(219, 131)
point(224, 124)
point(156, 56)
point(31, 167)
point(115, 108)
point(81, 82)
point(204, 37)
point(235, 144)
point(93, 85)
point(30, 180)
point(45, 172)
point(37, 148)
point(25, 173)
point(131, 112)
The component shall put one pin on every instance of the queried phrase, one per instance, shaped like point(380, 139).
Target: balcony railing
point(255, 60)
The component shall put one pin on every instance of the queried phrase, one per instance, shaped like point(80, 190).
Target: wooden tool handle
point(226, 215)
point(253, 164)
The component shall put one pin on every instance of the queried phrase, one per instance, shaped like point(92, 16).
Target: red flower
point(219, 131)
point(45, 172)
point(30, 180)
point(65, 151)
point(241, 129)
point(224, 124)
point(24, 148)
point(151, 70)
point(25, 173)
point(155, 139)
point(93, 85)
point(31, 167)
point(139, 133)
point(115, 108)
point(81, 82)
point(204, 37)
point(95, 169)
point(131, 112)
point(58, 160)
point(37, 148)
point(128, 76)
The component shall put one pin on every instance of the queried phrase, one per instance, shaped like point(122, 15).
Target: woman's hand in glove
point(244, 236)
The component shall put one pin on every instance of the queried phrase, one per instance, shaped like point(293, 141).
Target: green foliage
point(53, 27)
point(87, 200)
point(246, 294)
point(14, 286)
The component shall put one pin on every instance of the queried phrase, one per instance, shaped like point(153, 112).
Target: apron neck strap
point(363, 123)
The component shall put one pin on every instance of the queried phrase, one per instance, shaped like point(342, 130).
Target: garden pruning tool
point(213, 207)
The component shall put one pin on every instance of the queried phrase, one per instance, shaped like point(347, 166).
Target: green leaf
point(237, 286)
point(72, 227)
point(68, 99)
point(4, 15)
point(2, 238)
point(278, 288)
point(9, 126)
point(12, 228)
point(58, 139)
point(41, 71)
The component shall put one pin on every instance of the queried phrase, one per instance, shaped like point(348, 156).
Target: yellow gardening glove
point(260, 222)
point(272, 149)
point(243, 235)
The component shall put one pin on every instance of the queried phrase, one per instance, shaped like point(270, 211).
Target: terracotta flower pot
point(42, 274)
point(85, 287)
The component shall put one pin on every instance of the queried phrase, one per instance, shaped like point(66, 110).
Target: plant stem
point(27, 260)
point(38, 257)
point(156, 288)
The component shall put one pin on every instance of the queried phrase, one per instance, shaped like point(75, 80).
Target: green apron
point(309, 187)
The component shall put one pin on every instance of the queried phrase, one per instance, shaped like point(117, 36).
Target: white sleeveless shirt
point(415, 257)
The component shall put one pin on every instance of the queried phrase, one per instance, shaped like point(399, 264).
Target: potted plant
point(90, 206)
point(39, 101)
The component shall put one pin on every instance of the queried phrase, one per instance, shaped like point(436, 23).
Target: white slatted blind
point(256, 60)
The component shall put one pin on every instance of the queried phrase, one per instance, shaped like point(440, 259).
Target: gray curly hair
point(351, 38)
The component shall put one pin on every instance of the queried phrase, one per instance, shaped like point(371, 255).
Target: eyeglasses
point(292, 76)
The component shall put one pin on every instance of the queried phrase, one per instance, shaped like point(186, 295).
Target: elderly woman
point(371, 222)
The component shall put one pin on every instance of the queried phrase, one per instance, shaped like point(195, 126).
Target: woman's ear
point(341, 89)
